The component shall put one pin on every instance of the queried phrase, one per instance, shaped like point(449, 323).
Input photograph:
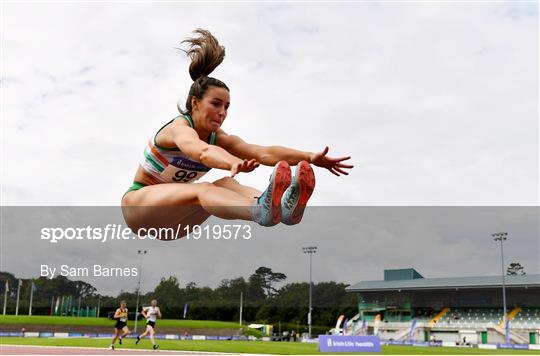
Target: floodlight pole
point(241, 306)
point(502, 236)
point(5, 298)
point(140, 253)
point(310, 250)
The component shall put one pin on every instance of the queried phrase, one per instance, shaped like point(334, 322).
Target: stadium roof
point(530, 280)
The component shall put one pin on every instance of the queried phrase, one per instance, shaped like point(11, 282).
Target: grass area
point(259, 347)
point(63, 320)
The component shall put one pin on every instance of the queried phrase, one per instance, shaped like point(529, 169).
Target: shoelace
point(292, 197)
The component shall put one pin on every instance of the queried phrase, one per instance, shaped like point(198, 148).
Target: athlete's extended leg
point(192, 204)
point(235, 186)
point(216, 200)
point(152, 332)
point(266, 206)
point(173, 204)
point(141, 336)
point(125, 331)
point(115, 337)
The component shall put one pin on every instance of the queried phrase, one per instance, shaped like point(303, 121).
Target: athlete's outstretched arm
point(270, 155)
point(212, 156)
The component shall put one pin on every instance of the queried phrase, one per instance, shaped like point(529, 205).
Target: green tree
point(515, 269)
point(255, 290)
point(84, 290)
point(268, 279)
point(230, 289)
point(167, 292)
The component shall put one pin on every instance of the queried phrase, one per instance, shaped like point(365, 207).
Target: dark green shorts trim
point(135, 186)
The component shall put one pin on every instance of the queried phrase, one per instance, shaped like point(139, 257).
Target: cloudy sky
point(437, 102)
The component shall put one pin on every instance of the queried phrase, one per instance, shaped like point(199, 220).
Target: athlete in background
point(151, 314)
point(121, 317)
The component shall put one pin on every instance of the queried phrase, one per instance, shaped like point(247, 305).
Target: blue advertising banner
point(341, 343)
point(11, 333)
point(413, 343)
point(513, 346)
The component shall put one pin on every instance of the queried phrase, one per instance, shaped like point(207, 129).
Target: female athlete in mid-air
point(188, 146)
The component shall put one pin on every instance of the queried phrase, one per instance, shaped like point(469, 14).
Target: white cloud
point(436, 102)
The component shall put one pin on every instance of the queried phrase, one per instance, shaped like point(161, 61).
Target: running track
point(62, 350)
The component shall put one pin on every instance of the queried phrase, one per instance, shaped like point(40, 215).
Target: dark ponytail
point(206, 54)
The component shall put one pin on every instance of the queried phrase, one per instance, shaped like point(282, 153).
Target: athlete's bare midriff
point(145, 178)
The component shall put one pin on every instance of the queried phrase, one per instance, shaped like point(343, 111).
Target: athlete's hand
point(334, 165)
point(244, 166)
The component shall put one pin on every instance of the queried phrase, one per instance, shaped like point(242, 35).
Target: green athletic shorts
point(135, 186)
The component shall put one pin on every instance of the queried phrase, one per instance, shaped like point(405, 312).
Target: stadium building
point(405, 306)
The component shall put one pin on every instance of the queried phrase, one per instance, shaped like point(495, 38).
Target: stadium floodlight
point(140, 253)
point(502, 236)
point(310, 250)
